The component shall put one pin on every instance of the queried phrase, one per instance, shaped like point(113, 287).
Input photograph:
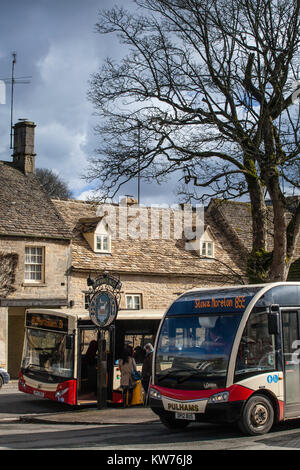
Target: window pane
point(194, 352)
point(136, 302)
point(129, 302)
point(209, 249)
point(33, 263)
point(98, 243)
point(133, 302)
point(47, 351)
point(104, 243)
point(257, 348)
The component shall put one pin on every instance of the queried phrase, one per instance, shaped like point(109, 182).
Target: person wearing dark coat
point(147, 367)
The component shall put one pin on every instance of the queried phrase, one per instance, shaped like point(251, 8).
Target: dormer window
point(97, 234)
point(204, 246)
point(102, 243)
point(207, 249)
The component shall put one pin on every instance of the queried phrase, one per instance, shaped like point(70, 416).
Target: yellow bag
point(137, 396)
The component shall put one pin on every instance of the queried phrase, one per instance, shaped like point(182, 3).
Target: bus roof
point(241, 286)
point(235, 299)
point(143, 314)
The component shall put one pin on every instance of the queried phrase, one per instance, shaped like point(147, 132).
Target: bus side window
point(257, 348)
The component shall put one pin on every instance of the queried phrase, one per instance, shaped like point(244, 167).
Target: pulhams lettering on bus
point(182, 407)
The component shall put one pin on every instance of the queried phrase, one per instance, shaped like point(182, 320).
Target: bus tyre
point(257, 416)
point(173, 424)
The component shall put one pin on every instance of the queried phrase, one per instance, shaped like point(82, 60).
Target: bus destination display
point(233, 303)
point(47, 322)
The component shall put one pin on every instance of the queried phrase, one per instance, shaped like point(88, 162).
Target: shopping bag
point(136, 375)
point(137, 396)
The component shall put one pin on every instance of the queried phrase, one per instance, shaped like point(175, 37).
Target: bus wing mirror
point(274, 320)
point(69, 342)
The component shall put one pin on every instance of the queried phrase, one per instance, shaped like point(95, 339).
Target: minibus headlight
point(22, 383)
point(219, 397)
point(60, 393)
point(155, 394)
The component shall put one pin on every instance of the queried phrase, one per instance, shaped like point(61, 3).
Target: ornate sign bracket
point(104, 299)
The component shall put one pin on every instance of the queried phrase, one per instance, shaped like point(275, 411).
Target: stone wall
point(57, 262)
point(3, 336)
point(157, 291)
point(55, 286)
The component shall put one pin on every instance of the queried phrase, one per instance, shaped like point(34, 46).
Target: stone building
point(153, 270)
point(35, 250)
point(49, 248)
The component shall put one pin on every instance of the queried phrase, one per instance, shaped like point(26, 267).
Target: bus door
point(291, 360)
point(88, 362)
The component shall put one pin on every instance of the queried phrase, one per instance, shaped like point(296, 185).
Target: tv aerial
point(14, 81)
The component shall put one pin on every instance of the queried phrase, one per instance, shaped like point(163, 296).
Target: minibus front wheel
point(257, 416)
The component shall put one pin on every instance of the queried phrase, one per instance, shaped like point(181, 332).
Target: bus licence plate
point(38, 394)
point(189, 416)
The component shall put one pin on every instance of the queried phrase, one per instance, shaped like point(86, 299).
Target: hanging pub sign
point(103, 307)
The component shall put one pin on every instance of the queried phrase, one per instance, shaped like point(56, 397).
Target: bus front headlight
point(60, 393)
point(155, 394)
point(219, 397)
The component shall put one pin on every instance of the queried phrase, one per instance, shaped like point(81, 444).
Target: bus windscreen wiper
point(189, 375)
point(174, 371)
point(32, 365)
point(201, 373)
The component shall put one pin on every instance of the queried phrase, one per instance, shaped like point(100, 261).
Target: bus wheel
point(173, 424)
point(257, 417)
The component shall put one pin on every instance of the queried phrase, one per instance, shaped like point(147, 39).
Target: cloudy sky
point(58, 48)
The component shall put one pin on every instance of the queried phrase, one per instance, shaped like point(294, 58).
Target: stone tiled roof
point(235, 218)
point(159, 256)
point(25, 209)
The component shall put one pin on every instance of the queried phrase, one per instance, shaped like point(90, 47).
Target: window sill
point(34, 284)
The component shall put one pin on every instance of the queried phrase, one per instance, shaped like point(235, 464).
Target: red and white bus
point(60, 347)
point(229, 355)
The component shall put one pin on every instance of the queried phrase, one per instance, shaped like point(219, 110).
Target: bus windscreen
point(47, 352)
point(194, 354)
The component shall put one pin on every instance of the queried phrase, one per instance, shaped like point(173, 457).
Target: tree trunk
point(259, 215)
point(259, 260)
point(279, 266)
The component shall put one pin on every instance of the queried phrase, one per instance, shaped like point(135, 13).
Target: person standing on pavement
point(147, 367)
point(126, 366)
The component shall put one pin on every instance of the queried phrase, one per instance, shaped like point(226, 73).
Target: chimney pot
point(24, 156)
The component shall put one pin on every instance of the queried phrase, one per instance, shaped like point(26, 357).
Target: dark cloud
point(57, 46)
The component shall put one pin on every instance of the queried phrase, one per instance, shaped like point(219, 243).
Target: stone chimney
point(128, 201)
point(24, 156)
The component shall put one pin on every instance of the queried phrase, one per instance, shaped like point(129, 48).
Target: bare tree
point(207, 87)
point(53, 185)
point(8, 262)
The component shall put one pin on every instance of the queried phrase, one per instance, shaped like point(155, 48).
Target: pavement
point(130, 415)
point(113, 414)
